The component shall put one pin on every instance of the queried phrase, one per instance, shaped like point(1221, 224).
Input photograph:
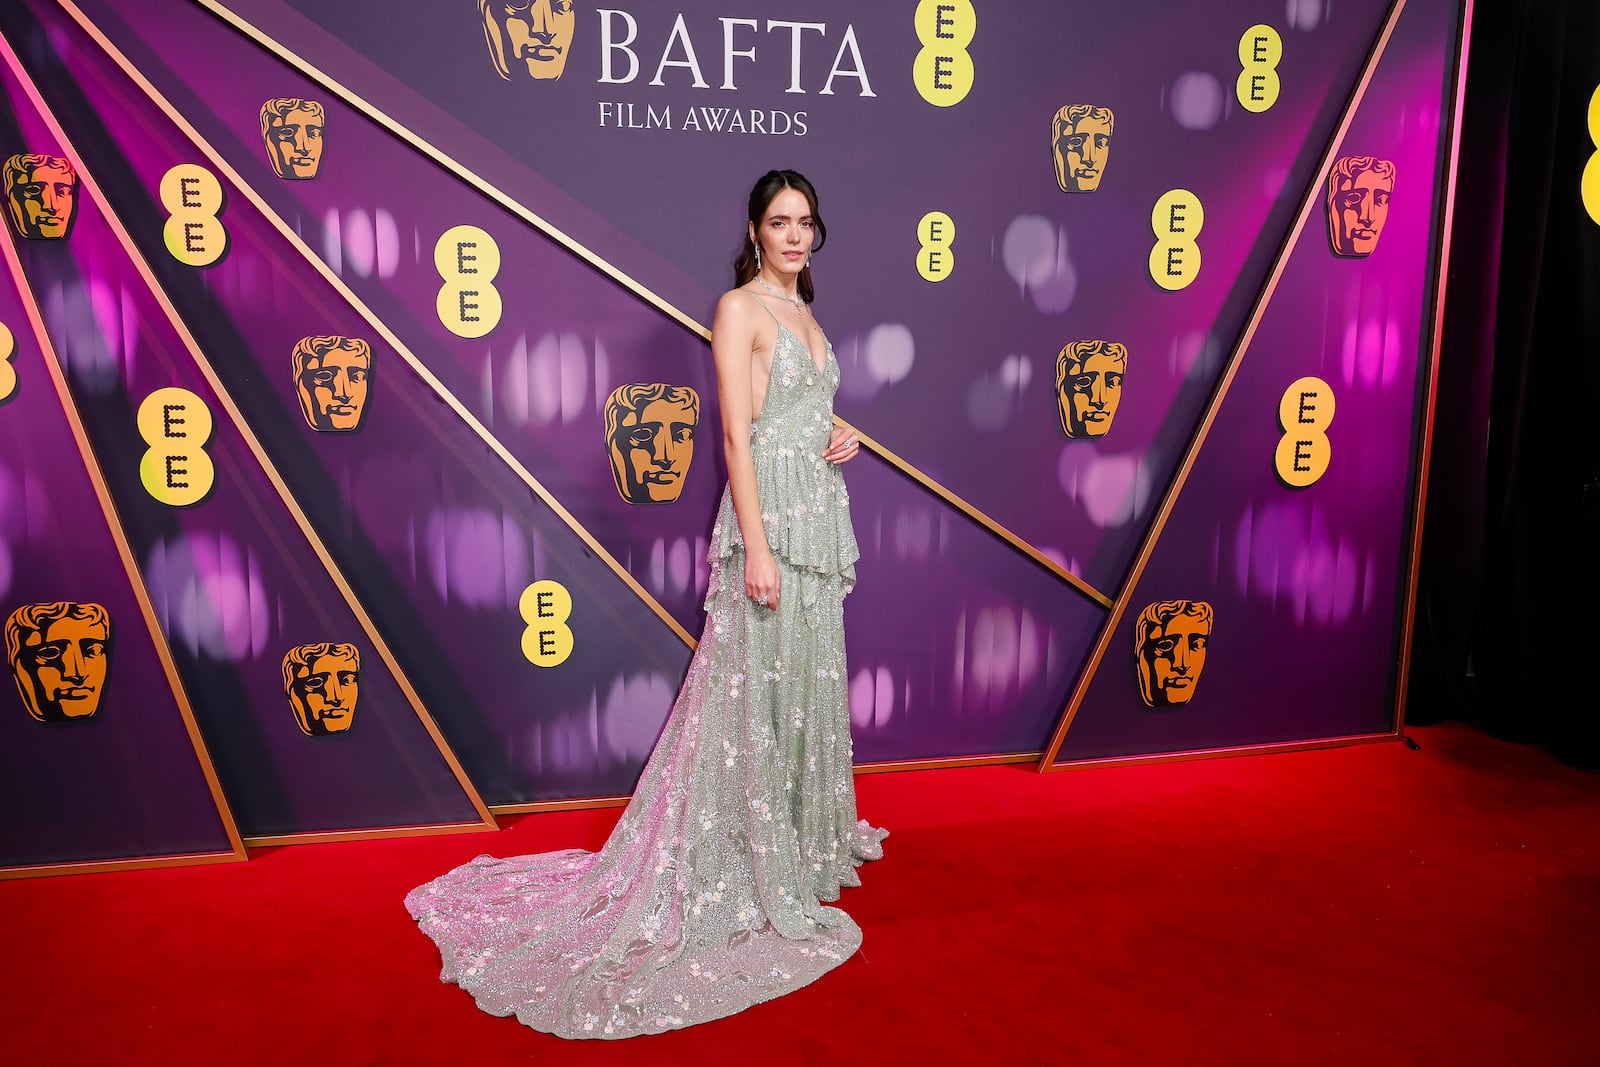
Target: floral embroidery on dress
point(709, 896)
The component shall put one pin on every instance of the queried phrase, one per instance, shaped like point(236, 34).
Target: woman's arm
point(733, 344)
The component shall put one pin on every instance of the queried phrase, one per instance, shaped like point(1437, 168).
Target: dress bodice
point(798, 409)
point(805, 507)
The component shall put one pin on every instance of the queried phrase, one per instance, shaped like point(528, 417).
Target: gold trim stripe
point(1257, 310)
point(323, 837)
point(983, 520)
point(578, 804)
point(130, 565)
point(136, 257)
point(52, 870)
point(451, 165)
point(1267, 749)
point(946, 762)
point(1441, 278)
point(511, 204)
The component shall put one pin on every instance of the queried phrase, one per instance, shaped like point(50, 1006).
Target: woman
point(706, 899)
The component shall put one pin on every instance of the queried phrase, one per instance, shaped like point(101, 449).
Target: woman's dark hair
point(771, 184)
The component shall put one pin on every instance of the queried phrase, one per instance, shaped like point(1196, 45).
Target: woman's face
point(786, 232)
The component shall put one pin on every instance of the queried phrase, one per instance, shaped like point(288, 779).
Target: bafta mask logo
point(322, 682)
point(59, 654)
point(1089, 386)
point(1359, 188)
point(537, 32)
point(650, 431)
point(41, 193)
point(292, 131)
point(1080, 140)
point(331, 376)
point(1170, 641)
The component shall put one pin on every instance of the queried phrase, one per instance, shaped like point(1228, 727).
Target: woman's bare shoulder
point(737, 305)
point(739, 315)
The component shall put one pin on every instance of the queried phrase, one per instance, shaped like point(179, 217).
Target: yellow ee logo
point(1304, 413)
point(937, 232)
point(1260, 52)
point(1176, 220)
point(175, 469)
point(467, 258)
point(193, 197)
point(8, 373)
point(545, 606)
point(1591, 170)
point(942, 70)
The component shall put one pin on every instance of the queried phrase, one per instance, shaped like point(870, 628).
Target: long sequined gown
point(707, 897)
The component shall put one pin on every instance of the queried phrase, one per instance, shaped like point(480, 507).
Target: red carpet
point(1366, 905)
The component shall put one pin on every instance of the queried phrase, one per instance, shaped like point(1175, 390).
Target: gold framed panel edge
point(471, 178)
point(314, 837)
point(55, 870)
point(932, 763)
point(1002, 532)
point(136, 256)
point(377, 115)
point(1266, 748)
point(529, 807)
point(1436, 341)
point(1219, 394)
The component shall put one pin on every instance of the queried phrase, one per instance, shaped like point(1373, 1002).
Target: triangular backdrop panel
point(97, 762)
point(539, 383)
point(310, 729)
point(1304, 585)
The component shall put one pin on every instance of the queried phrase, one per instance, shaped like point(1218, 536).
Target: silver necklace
point(800, 305)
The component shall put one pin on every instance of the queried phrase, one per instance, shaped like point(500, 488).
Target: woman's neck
point(785, 285)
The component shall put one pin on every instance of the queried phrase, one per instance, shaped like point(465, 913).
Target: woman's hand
point(761, 578)
point(842, 445)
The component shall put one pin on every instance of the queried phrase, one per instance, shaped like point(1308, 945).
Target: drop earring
point(758, 257)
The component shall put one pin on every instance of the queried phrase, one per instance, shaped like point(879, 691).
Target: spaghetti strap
point(762, 306)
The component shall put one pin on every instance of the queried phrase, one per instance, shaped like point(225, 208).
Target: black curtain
point(1509, 583)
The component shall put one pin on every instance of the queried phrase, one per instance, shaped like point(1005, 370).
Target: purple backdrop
point(960, 645)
